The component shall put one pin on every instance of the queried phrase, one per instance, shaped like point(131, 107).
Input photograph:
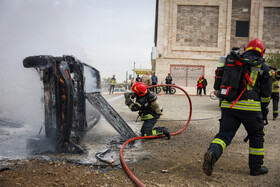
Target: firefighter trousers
point(229, 124)
point(275, 101)
point(148, 128)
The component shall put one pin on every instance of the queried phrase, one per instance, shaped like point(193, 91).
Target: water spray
point(115, 98)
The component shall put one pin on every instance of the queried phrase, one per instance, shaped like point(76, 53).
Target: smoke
point(57, 27)
point(99, 33)
point(26, 29)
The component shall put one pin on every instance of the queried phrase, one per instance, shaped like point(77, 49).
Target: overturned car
point(68, 83)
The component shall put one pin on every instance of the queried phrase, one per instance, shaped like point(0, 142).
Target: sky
point(109, 35)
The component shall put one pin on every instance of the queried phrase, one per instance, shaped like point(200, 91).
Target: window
point(242, 29)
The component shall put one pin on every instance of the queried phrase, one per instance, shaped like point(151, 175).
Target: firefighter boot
point(261, 170)
point(275, 116)
point(160, 131)
point(209, 162)
point(166, 132)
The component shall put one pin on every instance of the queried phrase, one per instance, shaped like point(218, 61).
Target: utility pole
point(134, 74)
point(126, 80)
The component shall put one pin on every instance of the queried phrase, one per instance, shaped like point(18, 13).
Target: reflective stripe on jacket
point(275, 86)
point(113, 81)
point(249, 105)
point(147, 106)
point(257, 94)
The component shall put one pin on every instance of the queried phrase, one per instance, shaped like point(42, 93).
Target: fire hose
point(128, 171)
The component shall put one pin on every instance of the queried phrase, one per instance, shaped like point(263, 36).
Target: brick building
point(191, 35)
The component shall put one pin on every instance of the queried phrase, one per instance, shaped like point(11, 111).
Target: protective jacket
point(275, 86)
point(149, 110)
point(200, 83)
point(257, 95)
point(147, 106)
point(113, 81)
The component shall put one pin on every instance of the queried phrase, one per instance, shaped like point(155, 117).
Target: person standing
point(204, 84)
point(138, 78)
point(199, 86)
point(113, 82)
point(149, 110)
point(154, 81)
point(132, 81)
point(146, 79)
point(250, 110)
point(275, 92)
point(168, 80)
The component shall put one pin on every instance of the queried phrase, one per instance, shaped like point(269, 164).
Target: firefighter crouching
point(149, 110)
point(275, 91)
point(250, 110)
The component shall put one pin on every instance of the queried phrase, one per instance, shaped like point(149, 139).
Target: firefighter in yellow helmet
point(250, 108)
point(149, 110)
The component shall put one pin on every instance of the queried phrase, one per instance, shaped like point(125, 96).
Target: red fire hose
point(128, 171)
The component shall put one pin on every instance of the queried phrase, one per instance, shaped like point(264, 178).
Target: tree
point(105, 83)
point(106, 80)
point(273, 59)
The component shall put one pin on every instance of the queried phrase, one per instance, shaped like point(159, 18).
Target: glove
point(264, 113)
point(127, 98)
point(160, 114)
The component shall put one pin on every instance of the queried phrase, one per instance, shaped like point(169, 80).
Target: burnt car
point(68, 83)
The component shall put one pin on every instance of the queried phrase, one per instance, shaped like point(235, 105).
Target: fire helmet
point(256, 45)
point(139, 88)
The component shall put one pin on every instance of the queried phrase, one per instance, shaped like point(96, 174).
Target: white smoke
point(29, 28)
point(57, 27)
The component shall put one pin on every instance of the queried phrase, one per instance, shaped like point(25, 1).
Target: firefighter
point(250, 110)
point(199, 86)
point(275, 92)
point(149, 110)
point(113, 82)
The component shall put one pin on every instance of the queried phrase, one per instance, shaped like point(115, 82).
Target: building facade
point(191, 35)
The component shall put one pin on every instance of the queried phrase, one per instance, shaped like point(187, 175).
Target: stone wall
point(196, 33)
point(191, 33)
point(197, 26)
point(271, 27)
point(239, 14)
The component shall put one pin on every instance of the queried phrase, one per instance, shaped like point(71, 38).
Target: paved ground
point(159, 162)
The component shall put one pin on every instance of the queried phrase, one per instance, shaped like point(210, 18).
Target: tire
point(36, 61)
point(158, 90)
point(173, 90)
